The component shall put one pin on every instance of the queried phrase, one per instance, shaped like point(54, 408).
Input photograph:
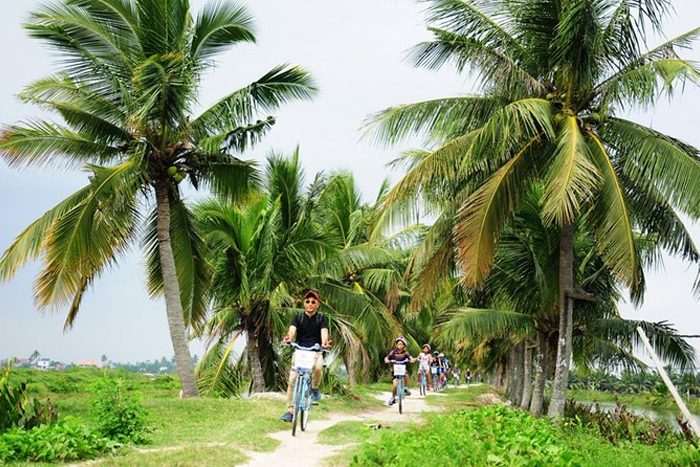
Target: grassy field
point(219, 432)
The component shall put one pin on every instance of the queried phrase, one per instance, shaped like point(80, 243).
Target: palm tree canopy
point(127, 94)
point(554, 77)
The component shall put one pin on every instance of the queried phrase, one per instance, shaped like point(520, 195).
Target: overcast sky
point(355, 50)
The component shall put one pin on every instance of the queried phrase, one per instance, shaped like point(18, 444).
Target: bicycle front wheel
point(298, 394)
point(399, 392)
point(305, 409)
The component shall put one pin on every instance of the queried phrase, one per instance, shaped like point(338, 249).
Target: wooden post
point(674, 392)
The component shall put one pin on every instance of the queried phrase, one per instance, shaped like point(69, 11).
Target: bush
point(17, 410)
point(492, 435)
point(66, 440)
point(619, 424)
point(120, 414)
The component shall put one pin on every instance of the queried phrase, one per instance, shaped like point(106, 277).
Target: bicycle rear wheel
point(305, 409)
point(298, 388)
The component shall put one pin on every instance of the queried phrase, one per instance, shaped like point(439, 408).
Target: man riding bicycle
point(310, 328)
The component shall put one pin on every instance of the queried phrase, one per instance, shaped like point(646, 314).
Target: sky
point(356, 52)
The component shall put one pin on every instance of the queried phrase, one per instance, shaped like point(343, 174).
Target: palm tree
point(262, 252)
point(126, 91)
point(362, 280)
point(265, 251)
point(554, 76)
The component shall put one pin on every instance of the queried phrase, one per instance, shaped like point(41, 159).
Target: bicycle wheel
point(423, 383)
point(298, 387)
point(305, 409)
point(399, 392)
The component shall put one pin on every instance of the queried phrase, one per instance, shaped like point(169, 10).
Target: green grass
point(203, 431)
point(499, 436)
point(458, 397)
point(352, 432)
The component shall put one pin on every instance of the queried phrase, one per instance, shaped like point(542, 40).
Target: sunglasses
point(310, 301)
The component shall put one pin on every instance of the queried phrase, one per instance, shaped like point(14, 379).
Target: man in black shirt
point(310, 327)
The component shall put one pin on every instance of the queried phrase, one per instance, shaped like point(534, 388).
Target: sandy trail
point(305, 450)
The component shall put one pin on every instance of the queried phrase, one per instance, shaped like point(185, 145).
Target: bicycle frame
point(301, 398)
point(399, 373)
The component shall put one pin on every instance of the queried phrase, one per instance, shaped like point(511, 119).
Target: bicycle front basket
point(399, 369)
point(304, 360)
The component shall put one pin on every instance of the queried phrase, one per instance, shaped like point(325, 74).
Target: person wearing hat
point(399, 353)
point(309, 328)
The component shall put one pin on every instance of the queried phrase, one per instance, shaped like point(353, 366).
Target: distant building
point(88, 363)
point(43, 363)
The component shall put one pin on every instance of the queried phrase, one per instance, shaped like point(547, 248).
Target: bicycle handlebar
point(313, 348)
point(405, 360)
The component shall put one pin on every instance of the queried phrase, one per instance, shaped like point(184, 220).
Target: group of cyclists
point(310, 328)
point(435, 367)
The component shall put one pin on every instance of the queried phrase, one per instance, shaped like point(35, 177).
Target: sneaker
point(391, 402)
point(407, 392)
point(315, 395)
point(287, 417)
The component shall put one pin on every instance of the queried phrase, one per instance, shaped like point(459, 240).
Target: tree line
point(546, 202)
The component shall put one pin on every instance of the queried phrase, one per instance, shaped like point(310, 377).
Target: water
point(666, 414)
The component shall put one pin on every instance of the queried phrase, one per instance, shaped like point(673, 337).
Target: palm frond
point(663, 337)
point(493, 67)
point(41, 143)
point(483, 213)
point(219, 26)
point(615, 230)
point(90, 236)
point(475, 324)
point(437, 118)
point(572, 178)
point(652, 159)
point(280, 85)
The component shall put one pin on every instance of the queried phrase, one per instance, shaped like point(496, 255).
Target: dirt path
point(305, 450)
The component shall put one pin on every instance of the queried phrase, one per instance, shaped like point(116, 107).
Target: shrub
point(17, 410)
point(66, 440)
point(619, 424)
point(493, 435)
point(120, 415)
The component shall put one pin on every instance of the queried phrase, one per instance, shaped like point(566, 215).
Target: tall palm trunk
point(540, 375)
point(171, 289)
point(527, 383)
point(352, 370)
point(257, 376)
point(566, 322)
point(515, 374)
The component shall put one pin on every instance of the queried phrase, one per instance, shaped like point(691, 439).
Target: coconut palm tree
point(265, 251)
point(127, 93)
point(554, 77)
point(262, 253)
point(363, 280)
point(521, 296)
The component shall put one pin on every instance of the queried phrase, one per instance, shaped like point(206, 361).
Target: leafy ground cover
point(500, 436)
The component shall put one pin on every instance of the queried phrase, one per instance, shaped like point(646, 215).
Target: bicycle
point(436, 378)
point(399, 372)
point(304, 359)
point(423, 383)
point(456, 379)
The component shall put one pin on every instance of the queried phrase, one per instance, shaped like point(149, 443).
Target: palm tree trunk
point(257, 376)
point(566, 322)
point(527, 383)
point(171, 289)
point(540, 375)
point(350, 366)
point(515, 377)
